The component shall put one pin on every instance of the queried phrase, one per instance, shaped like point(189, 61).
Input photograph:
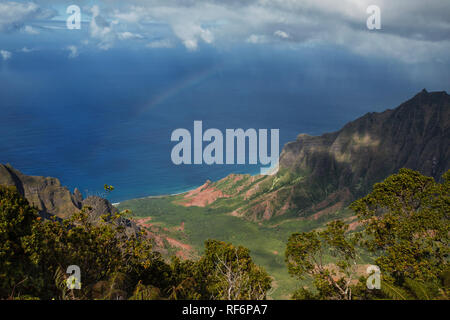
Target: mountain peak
point(425, 100)
point(414, 135)
point(425, 93)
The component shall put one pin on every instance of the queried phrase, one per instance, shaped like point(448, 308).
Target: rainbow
point(179, 86)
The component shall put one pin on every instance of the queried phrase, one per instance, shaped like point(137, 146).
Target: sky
point(98, 104)
point(413, 31)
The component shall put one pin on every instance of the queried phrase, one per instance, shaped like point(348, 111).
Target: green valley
point(266, 240)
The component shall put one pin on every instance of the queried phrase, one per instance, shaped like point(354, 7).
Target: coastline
point(269, 171)
point(157, 196)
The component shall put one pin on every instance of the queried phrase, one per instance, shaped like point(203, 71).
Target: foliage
point(35, 254)
point(224, 272)
point(405, 227)
point(406, 222)
point(114, 265)
point(266, 240)
point(231, 274)
point(305, 256)
point(16, 218)
point(186, 282)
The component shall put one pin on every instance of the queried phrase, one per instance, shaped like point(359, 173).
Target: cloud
point(405, 23)
point(190, 44)
point(15, 15)
point(281, 34)
point(191, 35)
point(186, 22)
point(132, 16)
point(73, 51)
point(106, 33)
point(257, 39)
point(27, 50)
point(160, 44)
point(30, 30)
point(101, 30)
point(306, 22)
point(128, 35)
point(6, 55)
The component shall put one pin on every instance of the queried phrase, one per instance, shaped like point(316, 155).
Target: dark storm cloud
point(412, 30)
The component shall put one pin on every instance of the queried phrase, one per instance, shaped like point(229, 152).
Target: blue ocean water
point(106, 117)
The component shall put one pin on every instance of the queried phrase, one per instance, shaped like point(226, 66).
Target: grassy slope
point(265, 240)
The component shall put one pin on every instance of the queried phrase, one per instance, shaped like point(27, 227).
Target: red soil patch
point(186, 250)
point(352, 226)
point(159, 240)
point(202, 196)
point(236, 213)
point(266, 207)
point(143, 223)
point(235, 177)
point(178, 244)
point(207, 193)
point(253, 189)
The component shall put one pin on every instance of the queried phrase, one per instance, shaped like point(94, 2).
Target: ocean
point(106, 117)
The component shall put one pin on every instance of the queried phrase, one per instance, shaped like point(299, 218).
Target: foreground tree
point(224, 272)
point(110, 261)
point(307, 257)
point(35, 254)
point(406, 221)
point(230, 273)
point(16, 219)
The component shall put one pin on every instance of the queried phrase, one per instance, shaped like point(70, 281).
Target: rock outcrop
point(52, 199)
point(44, 193)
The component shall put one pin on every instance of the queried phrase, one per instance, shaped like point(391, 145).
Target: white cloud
point(6, 55)
point(101, 30)
point(73, 51)
point(406, 24)
point(160, 44)
point(27, 50)
point(187, 23)
point(30, 30)
point(106, 33)
point(190, 44)
point(257, 39)
point(128, 35)
point(306, 22)
point(54, 27)
point(14, 15)
point(191, 33)
point(130, 16)
point(281, 34)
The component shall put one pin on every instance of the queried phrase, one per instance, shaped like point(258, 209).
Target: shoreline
point(271, 171)
point(156, 196)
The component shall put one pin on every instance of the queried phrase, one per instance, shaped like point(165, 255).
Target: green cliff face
point(325, 173)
